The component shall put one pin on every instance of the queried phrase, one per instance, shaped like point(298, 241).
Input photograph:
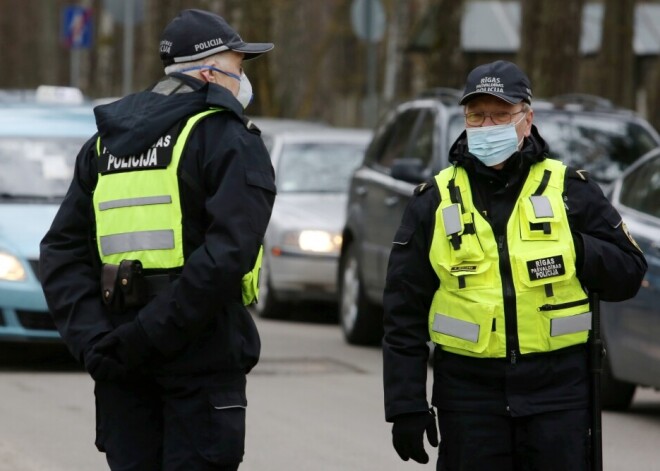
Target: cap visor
point(252, 50)
point(501, 96)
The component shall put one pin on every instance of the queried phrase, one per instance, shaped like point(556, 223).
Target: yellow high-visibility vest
point(467, 311)
point(137, 206)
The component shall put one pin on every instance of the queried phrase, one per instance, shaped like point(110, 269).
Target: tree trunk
point(550, 41)
point(616, 60)
point(446, 65)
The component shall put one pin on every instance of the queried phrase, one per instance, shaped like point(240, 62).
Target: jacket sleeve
point(69, 266)
point(239, 187)
point(608, 261)
point(409, 289)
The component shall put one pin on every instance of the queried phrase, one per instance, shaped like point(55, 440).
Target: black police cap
point(195, 34)
point(502, 79)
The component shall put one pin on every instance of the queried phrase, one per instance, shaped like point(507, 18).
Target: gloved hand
point(408, 435)
point(127, 345)
point(103, 368)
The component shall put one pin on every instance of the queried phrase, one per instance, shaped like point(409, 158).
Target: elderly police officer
point(492, 263)
point(154, 254)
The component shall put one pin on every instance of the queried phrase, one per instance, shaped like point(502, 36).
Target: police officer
point(493, 263)
point(154, 254)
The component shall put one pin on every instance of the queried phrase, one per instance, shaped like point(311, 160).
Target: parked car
point(411, 145)
point(313, 164)
point(631, 329)
point(40, 135)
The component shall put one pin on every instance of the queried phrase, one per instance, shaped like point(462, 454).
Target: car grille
point(35, 320)
point(34, 264)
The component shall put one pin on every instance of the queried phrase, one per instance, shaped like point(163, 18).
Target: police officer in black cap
point(493, 263)
point(154, 255)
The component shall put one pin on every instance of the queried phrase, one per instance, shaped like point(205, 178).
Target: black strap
point(540, 226)
point(461, 282)
point(544, 182)
point(548, 290)
point(455, 193)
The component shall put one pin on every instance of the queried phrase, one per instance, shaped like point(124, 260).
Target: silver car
point(631, 329)
point(313, 164)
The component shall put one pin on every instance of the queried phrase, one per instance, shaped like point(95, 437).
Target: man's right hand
point(408, 435)
point(103, 367)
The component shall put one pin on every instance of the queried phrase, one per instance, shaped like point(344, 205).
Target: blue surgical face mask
point(244, 95)
point(492, 145)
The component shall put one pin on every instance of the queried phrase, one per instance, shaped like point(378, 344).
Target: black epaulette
point(422, 187)
point(577, 174)
point(249, 124)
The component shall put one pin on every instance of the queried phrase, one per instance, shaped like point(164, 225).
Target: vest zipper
point(554, 307)
point(510, 321)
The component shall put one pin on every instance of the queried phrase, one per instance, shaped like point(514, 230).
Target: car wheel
point(267, 306)
point(361, 321)
point(614, 394)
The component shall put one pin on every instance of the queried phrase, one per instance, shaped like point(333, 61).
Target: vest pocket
point(539, 218)
point(467, 276)
point(468, 330)
point(565, 324)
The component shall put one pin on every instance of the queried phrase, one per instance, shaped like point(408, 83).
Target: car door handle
point(360, 190)
point(391, 201)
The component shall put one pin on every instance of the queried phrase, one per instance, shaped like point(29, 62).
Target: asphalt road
point(315, 404)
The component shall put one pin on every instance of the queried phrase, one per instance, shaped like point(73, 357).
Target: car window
point(268, 142)
point(37, 168)
point(393, 143)
point(602, 145)
point(455, 127)
point(421, 146)
point(317, 167)
point(641, 189)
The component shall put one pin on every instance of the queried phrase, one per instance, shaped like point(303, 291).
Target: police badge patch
point(546, 267)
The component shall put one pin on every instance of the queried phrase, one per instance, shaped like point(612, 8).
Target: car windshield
point(317, 167)
point(36, 168)
point(602, 145)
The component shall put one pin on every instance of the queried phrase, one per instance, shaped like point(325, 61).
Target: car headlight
point(315, 241)
point(11, 268)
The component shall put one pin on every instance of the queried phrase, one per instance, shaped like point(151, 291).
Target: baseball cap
point(502, 79)
point(195, 34)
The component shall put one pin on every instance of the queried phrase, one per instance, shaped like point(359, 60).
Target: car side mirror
point(408, 170)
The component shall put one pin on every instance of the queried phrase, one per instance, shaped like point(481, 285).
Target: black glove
point(104, 368)
point(408, 435)
point(127, 345)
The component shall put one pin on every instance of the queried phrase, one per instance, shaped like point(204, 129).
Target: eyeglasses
point(497, 117)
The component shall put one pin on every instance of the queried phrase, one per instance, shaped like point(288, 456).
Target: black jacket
point(227, 189)
point(607, 262)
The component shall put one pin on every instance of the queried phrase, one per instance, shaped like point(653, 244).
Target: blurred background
point(346, 62)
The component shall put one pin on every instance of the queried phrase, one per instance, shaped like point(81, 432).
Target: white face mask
point(245, 94)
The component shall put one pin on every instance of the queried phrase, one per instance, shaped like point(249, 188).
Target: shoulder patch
point(629, 236)
point(577, 174)
point(422, 187)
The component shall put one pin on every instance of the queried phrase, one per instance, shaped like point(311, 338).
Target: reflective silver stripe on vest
point(461, 329)
point(451, 217)
point(134, 241)
point(542, 206)
point(570, 325)
point(143, 201)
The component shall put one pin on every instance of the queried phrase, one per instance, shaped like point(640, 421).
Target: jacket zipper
point(554, 307)
point(510, 321)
